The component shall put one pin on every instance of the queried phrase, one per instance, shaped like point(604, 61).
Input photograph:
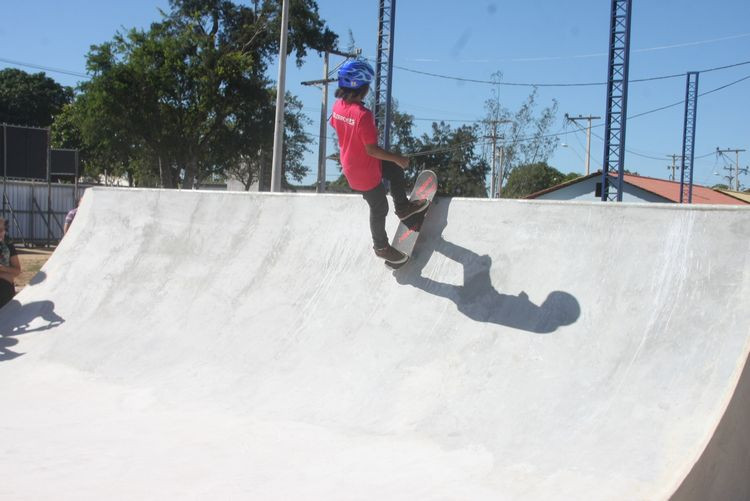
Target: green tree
point(65, 131)
point(452, 155)
point(30, 99)
point(296, 140)
point(530, 178)
point(257, 150)
point(103, 147)
point(570, 176)
point(188, 97)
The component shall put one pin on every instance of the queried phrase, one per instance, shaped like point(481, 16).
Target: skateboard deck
point(407, 232)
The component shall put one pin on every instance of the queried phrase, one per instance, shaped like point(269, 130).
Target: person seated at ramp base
point(364, 163)
point(10, 266)
point(70, 216)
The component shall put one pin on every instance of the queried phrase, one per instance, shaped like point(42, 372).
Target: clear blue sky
point(530, 41)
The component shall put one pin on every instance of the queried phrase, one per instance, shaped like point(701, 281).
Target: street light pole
point(322, 144)
point(278, 131)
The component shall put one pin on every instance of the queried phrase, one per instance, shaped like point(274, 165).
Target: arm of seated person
point(10, 272)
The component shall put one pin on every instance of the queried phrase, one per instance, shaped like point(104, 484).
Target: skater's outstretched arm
point(376, 151)
point(455, 252)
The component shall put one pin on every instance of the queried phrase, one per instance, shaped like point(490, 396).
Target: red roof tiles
point(671, 191)
point(661, 187)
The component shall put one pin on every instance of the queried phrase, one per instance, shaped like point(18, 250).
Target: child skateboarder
point(364, 163)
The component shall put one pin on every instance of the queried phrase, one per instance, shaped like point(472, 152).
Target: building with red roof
point(635, 189)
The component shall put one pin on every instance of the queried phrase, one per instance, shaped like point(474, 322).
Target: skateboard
point(407, 232)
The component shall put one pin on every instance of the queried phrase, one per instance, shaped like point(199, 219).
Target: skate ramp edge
point(721, 472)
point(250, 346)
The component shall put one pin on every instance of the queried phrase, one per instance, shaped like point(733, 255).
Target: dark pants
point(378, 202)
point(7, 292)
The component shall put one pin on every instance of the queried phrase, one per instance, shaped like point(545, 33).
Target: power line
point(436, 75)
point(535, 59)
point(45, 68)
point(678, 103)
point(524, 139)
point(446, 120)
point(638, 115)
point(572, 84)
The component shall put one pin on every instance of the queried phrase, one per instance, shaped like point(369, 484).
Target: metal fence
point(36, 210)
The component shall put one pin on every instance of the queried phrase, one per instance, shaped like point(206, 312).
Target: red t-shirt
point(355, 128)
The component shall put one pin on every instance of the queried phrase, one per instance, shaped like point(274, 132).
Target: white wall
point(584, 191)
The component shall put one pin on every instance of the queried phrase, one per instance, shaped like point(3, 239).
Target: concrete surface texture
point(184, 345)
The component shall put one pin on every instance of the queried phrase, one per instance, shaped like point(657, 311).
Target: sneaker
point(391, 255)
point(411, 208)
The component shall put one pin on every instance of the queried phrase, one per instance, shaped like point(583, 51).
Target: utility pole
point(322, 141)
point(321, 186)
point(494, 138)
point(588, 136)
point(501, 173)
point(673, 166)
point(737, 165)
point(278, 131)
point(494, 180)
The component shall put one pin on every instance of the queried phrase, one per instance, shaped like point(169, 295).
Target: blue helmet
point(355, 74)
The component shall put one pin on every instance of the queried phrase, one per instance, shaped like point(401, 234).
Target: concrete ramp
point(184, 345)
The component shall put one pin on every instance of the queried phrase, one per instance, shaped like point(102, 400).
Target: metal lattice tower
point(617, 98)
point(384, 69)
point(688, 137)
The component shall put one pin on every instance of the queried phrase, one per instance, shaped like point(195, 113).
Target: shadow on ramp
point(38, 278)
point(17, 319)
point(477, 298)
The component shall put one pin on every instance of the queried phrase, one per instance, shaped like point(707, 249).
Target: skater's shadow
point(477, 298)
point(17, 319)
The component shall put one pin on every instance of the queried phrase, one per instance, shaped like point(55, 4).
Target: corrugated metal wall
point(26, 207)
